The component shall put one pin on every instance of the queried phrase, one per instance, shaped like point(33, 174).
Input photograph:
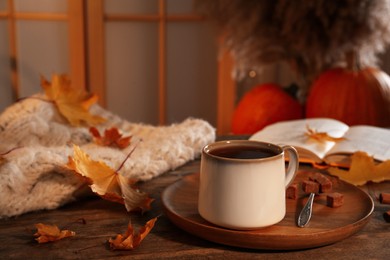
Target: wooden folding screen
point(85, 20)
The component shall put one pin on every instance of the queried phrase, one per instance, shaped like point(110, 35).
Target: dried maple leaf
point(108, 183)
point(363, 169)
point(131, 240)
point(321, 136)
point(111, 137)
point(72, 102)
point(50, 233)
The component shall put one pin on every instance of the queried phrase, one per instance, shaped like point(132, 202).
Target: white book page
point(373, 140)
point(293, 133)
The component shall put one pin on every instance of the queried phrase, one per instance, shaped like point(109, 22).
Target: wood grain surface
point(104, 219)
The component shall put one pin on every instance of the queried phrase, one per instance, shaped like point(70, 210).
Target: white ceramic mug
point(247, 192)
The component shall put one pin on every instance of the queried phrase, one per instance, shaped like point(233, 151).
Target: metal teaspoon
point(305, 215)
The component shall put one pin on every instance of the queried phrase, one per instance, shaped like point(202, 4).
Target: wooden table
point(105, 219)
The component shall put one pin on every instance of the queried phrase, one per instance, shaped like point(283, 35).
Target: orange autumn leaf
point(108, 183)
point(131, 240)
point(321, 136)
point(72, 102)
point(363, 169)
point(51, 233)
point(111, 137)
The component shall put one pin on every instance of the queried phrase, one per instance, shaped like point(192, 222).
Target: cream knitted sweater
point(33, 176)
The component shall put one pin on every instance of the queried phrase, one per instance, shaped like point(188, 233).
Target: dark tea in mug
point(243, 152)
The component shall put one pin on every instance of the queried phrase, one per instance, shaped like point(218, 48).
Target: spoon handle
point(305, 215)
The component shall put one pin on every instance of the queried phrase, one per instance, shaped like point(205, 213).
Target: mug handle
point(293, 164)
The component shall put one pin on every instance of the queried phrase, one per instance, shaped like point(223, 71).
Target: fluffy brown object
point(311, 35)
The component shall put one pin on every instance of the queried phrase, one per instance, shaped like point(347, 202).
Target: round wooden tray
point(327, 225)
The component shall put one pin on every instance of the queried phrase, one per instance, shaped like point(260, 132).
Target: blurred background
point(150, 61)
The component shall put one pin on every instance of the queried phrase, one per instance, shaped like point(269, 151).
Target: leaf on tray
point(131, 240)
point(51, 233)
point(363, 169)
point(108, 183)
point(111, 137)
point(72, 102)
point(321, 136)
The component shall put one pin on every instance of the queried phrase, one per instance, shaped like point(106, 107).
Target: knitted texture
point(33, 176)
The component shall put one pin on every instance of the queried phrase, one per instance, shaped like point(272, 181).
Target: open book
point(373, 140)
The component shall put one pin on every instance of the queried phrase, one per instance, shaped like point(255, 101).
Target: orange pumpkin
point(263, 105)
point(352, 96)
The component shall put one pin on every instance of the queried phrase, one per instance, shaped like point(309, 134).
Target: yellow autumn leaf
point(321, 136)
point(108, 183)
point(363, 169)
point(72, 102)
point(50, 233)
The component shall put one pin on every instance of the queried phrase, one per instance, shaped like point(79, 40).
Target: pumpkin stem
point(352, 60)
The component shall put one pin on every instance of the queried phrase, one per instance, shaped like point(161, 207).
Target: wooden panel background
point(85, 20)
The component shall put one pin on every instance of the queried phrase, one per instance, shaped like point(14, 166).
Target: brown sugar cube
point(386, 216)
point(325, 183)
point(384, 198)
point(310, 186)
point(335, 200)
point(292, 191)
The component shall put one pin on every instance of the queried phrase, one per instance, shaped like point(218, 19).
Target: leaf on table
point(321, 136)
point(72, 102)
point(363, 169)
point(111, 137)
point(108, 183)
point(51, 233)
point(131, 240)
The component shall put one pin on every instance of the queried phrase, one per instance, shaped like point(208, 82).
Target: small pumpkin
point(264, 104)
point(354, 96)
